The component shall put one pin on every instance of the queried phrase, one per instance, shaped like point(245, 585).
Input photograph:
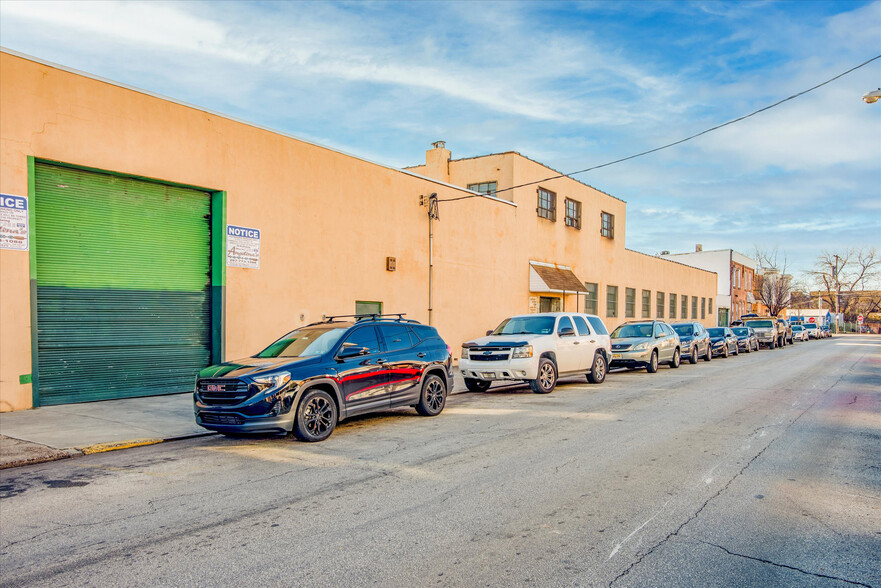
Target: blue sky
point(571, 84)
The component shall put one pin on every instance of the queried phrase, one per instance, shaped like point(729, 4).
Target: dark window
point(672, 306)
point(549, 304)
point(573, 213)
point(362, 307)
point(611, 301)
point(363, 337)
point(703, 308)
point(607, 226)
point(646, 303)
point(582, 326)
point(598, 326)
point(547, 204)
point(694, 307)
point(710, 306)
point(629, 302)
point(484, 188)
point(684, 307)
point(590, 298)
point(396, 337)
point(564, 323)
point(659, 298)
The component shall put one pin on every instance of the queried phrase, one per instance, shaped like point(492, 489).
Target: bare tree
point(841, 277)
point(773, 286)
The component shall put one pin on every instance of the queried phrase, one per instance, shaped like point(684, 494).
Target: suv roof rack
point(369, 317)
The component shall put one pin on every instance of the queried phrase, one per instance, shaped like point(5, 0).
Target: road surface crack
point(779, 565)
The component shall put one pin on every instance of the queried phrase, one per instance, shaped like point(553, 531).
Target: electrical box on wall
point(390, 264)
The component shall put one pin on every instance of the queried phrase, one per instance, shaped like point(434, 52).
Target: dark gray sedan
point(723, 341)
point(747, 340)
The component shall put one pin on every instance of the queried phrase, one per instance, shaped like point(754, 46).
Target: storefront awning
point(547, 278)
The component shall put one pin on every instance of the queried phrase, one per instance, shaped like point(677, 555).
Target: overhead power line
point(673, 144)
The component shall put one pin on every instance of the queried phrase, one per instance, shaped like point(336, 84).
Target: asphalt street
point(757, 470)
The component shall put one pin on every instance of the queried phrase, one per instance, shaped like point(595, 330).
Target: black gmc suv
point(320, 374)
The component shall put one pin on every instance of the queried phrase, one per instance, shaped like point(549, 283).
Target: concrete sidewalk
point(57, 432)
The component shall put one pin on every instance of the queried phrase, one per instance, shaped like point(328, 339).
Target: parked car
point(723, 340)
point(814, 332)
point(766, 330)
point(746, 339)
point(645, 345)
point(799, 333)
point(826, 330)
point(320, 374)
point(538, 348)
point(694, 340)
point(787, 332)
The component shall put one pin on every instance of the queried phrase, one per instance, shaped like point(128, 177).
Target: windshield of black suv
point(625, 331)
point(305, 342)
point(683, 330)
point(716, 332)
point(741, 331)
point(526, 325)
point(760, 324)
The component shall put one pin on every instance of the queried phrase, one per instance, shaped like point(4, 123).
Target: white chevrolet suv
point(537, 348)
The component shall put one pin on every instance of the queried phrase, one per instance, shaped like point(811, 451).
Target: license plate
point(616, 356)
point(488, 375)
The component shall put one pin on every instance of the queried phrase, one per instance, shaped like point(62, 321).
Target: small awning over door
point(553, 278)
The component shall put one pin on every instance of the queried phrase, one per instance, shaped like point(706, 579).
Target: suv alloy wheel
point(547, 377)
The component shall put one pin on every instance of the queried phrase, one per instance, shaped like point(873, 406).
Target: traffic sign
point(812, 319)
point(860, 318)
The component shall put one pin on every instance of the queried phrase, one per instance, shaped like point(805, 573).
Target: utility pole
point(837, 293)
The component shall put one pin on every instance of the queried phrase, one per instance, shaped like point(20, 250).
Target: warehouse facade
point(148, 238)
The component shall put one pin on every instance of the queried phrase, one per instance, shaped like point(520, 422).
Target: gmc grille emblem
point(214, 388)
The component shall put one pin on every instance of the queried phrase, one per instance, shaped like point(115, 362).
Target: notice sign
point(13, 222)
point(242, 247)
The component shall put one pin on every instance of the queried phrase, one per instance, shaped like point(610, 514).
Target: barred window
point(607, 226)
point(611, 301)
point(484, 187)
point(694, 307)
point(703, 308)
point(629, 302)
point(672, 306)
point(573, 213)
point(646, 303)
point(684, 313)
point(660, 304)
point(590, 298)
point(547, 204)
point(710, 306)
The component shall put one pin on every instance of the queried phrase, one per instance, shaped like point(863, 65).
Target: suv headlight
point(272, 382)
point(464, 353)
point(521, 352)
point(640, 347)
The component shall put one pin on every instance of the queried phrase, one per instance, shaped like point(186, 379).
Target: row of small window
point(547, 208)
point(676, 302)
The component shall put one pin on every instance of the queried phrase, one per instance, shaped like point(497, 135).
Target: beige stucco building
point(133, 203)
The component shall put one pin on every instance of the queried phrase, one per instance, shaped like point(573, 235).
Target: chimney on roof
point(698, 248)
point(437, 162)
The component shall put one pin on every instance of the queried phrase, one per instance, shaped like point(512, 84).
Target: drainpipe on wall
point(432, 216)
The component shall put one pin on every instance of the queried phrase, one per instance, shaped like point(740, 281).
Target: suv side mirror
point(566, 332)
point(488, 333)
point(353, 351)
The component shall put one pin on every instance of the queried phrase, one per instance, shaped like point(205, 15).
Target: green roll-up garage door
point(123, 295)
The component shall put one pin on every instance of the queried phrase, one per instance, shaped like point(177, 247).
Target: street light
point(873, 96)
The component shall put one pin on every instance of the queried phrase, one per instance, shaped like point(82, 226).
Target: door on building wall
point(549, 304)
point(123, 290)
point(723, 317)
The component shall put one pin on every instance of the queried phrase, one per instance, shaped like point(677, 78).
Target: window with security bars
point(607, 225)
point(703, 308)
point(660, 304)
point(646, 303)
point(684, 313)
point(573, 213)
point(484, 187)
point(672, 306)
point(629, 302)
point(590, 298)
point(611, 301)
point(710, 307)
point(694, 307)
point(547, 204)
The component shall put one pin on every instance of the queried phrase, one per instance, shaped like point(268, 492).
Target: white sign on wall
point(242, 247)
point(13, 222)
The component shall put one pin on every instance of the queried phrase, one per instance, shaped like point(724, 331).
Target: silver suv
point(645, 344)
point(538, 348)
